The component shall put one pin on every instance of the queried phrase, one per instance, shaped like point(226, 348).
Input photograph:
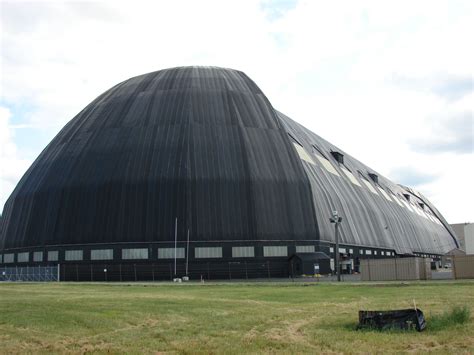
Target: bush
point(456, 315)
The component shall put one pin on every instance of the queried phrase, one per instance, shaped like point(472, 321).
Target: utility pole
point(336, 219)
point(187, 254)
point(175, 242)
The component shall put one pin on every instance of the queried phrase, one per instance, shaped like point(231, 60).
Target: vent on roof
point(338, 156)
point(374, 177)
point(422, 205)
point(407, 196)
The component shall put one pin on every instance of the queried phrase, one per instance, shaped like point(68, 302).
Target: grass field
point(224, 318)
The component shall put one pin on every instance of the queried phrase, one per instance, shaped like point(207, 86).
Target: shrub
point(456, 315)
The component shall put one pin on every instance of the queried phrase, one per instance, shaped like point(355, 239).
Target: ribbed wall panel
point(368, 219)
point(202, 145)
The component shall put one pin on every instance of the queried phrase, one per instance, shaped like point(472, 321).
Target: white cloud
point(335, 67)
point(12, 166)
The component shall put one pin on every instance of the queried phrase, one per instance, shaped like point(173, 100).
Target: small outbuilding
point(309, 264)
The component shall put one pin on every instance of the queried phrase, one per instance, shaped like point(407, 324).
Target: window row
point(363, 252)
point(143, 253)
point(373, 188)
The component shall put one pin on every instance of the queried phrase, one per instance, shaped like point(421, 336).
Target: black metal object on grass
point(404, 319)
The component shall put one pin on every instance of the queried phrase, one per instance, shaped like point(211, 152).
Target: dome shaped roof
point(199, 144)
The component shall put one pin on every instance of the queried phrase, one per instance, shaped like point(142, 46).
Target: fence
point(395, 269)
point(29, 273)
point(131, 271)
point(463, 266)
point(165, 271)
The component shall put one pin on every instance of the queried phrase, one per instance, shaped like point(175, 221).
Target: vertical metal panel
point(463, 266)
point(395, 269)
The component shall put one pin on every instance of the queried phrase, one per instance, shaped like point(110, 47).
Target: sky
point(389, 82)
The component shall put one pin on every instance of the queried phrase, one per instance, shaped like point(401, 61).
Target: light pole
point(336, 219)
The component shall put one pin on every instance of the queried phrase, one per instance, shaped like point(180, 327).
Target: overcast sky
point(389, 82)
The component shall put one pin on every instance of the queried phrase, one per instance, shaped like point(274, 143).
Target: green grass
point(456, 315)
point(228, 318)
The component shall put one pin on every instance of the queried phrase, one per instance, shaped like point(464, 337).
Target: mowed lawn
point(223, 318)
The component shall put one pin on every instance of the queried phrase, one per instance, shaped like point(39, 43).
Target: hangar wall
point(203, 147)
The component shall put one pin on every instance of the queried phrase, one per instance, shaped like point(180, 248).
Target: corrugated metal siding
point(395, 269)
point(202, 145)
point(205, 146)
point(369, 219)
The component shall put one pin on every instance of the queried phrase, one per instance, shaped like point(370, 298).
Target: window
point(9, 258)
point(208, 252)
point(102, 254)
point(73, 255)
point(302, 153)
point(351, 177)
point(432, 218)
point(384, 194)
point(424, 214)
point(135, 253)
point(368, 252)
point(407, 205)
point(351, 251)
point(243, 252)
point(1, 259)
point(53, 255)
point(38, 256)
point(168, 253)
point(327, 165)
point(383, 253)
point(395, 198)
point(342, 250)
point(375, 252)
point(418, 211)
point(331, 250)
point(305, 248)
point(23, 257)
point(275, 251)
point(369, 185)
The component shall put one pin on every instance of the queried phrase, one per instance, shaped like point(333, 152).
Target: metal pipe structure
point(187, 254)
point(175, 243)
point(336, 219)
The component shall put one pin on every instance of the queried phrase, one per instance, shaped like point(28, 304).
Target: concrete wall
point(463, 266)
point(395, 269)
